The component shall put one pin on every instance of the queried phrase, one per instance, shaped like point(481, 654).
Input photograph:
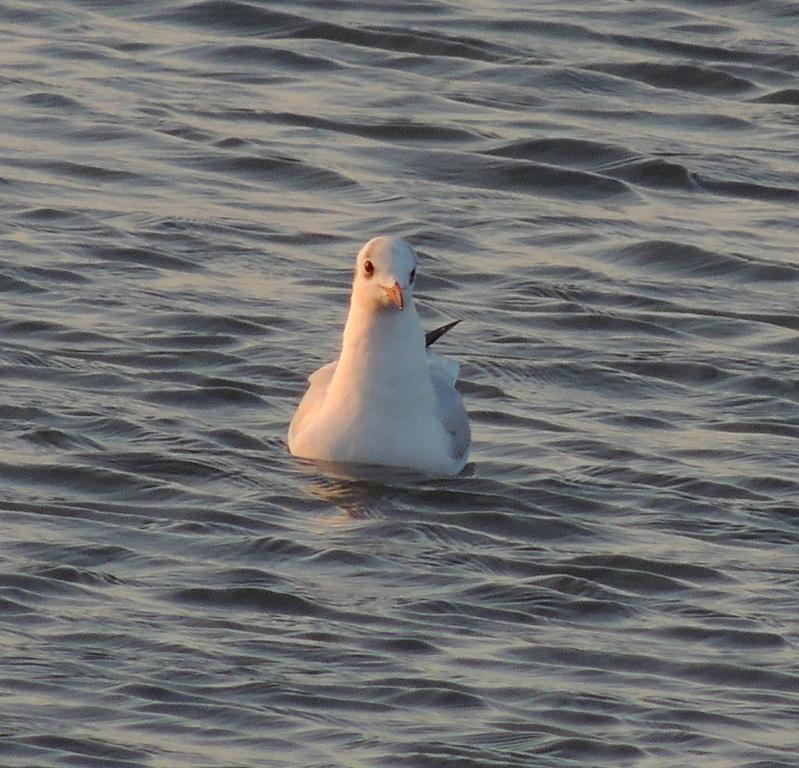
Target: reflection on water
point(352, 499)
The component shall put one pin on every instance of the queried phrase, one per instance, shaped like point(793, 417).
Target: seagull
point(388, 399)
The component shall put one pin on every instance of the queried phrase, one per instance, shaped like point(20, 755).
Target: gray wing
point(318, 382)
point(449, 406)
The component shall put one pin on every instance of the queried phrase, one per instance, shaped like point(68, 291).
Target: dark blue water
point(606, 193)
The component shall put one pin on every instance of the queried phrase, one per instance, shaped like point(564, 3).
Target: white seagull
point(388, 399)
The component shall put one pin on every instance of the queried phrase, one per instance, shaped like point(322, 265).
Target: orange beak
point(395, 297)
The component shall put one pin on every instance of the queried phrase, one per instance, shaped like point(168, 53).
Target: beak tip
point(395, 295)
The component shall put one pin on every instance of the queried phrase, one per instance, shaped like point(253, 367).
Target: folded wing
point(448, 404)
point(318, 383)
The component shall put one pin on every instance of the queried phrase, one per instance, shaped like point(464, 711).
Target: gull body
point(387, 400)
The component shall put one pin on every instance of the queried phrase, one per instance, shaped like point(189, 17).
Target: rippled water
point(606, 193)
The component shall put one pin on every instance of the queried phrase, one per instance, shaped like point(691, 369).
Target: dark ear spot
point(413, 274)
point(368, 268)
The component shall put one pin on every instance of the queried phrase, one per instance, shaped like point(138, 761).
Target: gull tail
point(433, 336)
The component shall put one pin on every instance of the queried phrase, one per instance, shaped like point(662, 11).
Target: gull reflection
point(357, 491)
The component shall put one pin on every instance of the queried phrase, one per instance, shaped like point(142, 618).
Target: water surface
point(607, 195)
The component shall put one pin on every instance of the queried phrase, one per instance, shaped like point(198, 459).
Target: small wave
point(233, 438)
point(581, 153)
point(205, 323)
point(10, 607)
point(234, 16)
point(606, 322)
point(465, 614)
point(50, 437)
point(723, 637)
point(79, 52)
point(757, 427)
point(162, 466)
point(424, 693)
point(514, 421)
point(748, 189)
point(9, 284)
point(17, 413)
point(204, 397)
point(12, 327)
point(531, 527)
point(655, 173)
point(257, 599)
point(668, 568)
point(51, 274)
point(404, 645)
point(50, 100)
point(83, 170)
point(269, 56)
point(703, 28)
point(274, 549)
point(730, 675)
point(88, 750)
point(70, 574)
point(142, 257)
point(20, 15)
point(789, 96)
point(634, 580)
point(45, 214)
point(28, 587)
point(288, 171)
point(686, 374)
point(76, 478)
point(109, 426)
point(582, 750)
point(181, 352)
point(250, 19)
point(389, 131)
point(693, 51)
point(691, 261)
point(153, 692)
point(681, 77)
point(414, 41)
point(521, 176)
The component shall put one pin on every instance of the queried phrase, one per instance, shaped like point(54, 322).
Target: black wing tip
point(431, 337)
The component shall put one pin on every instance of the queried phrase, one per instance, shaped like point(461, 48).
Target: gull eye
point(368, 268)
point(413, 274)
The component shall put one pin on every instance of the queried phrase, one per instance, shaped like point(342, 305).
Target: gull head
point(385, 271)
